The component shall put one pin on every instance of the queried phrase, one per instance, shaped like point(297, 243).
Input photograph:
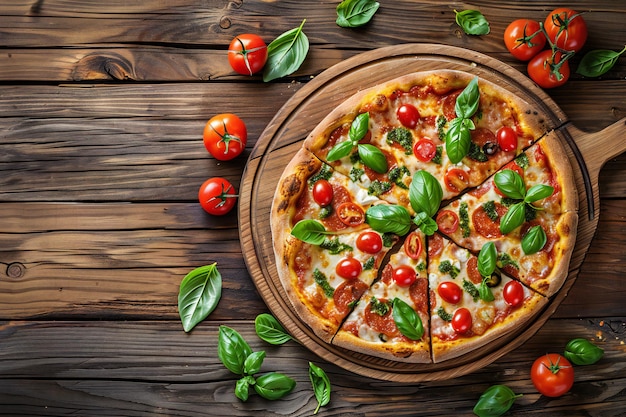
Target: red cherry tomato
point(447, 221)
point(225, 136)
point(450, 292)
point(456, 180)
point(322, 192)
point(524, 39)
point(413, 245)
point(247, 54)
point(462, 320)
point(566, 29)
point(369, 242)
point(408, 115)
point(349, 268)
point(404, 275)
point(552, 374)
point(425, 149)
point(350, 214)
point(548, 71)
point(513, 293)
point(507, 138)
point(217, 196)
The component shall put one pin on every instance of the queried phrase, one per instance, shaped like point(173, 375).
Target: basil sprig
point(321, 386)
point(472, 22)
point(487, 259)
point(598, 62)
point(511, 184)
point(407, 320)
point(355, 13)
point(310, 231)
point(286, 53)
point(458, 137)
point(270, 330)
point(237, 356)
point(369, 154)
point(495, 401)
point(198, 295)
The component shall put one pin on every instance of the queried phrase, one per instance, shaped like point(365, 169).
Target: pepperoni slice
point(484, 225)
point(381, 323)
point(419, 294)
point(348, 292)
point(435, 245)
point(472, 270)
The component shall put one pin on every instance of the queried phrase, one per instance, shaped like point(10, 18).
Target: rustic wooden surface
point(101, 112)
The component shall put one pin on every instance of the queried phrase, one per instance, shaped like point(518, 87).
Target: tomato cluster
point(564, 30)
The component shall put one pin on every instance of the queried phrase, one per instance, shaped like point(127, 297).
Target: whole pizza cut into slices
point(424, 218)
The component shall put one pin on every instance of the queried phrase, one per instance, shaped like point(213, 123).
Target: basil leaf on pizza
point(538, 192)
point(372, 157)
point(389, 218)
point(359, 127)
point(534, 240)
point(487, 259)
point(426, 224)
point(511, 184)
point(310, 231)
point(513, 218)
point(458, 139)
point(341, 150)
point(407, 320)
point(425, 193)
point(467, 102)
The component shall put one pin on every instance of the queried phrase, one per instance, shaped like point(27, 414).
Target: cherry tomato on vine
point(408, 115)
point(349, 268)
point(552, 374)
point(462, 320)
point(225, 136)
point(566, 29)
point(507, 138)
point(247, 54)
point(450, 292)
point(369, 242)
point(404, 275)
point(548, 71)
point(322, 192)
point(217, 196)
point(524, 39)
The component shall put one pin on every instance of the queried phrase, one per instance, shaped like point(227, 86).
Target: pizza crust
point(555, 152)
point(398, 351)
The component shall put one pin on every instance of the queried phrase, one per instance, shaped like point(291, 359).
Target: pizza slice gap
point(408, 119)
point(391, 320)
point(468, 311)
point(535, 241)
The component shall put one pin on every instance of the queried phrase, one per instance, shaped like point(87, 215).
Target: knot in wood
point(225, 22)
point(15, 270)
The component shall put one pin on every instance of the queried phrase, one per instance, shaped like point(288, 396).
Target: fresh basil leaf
point(373, 157)
point(270, 330)
point(242, 387)
point(495, 401)
point(458, 139)
point(472, 22)
point(511, 184)
point(388, 218)
point(274, 386)
point(340, 150)
point(310, 231)
point(198, 295)
point(321, 385)
point(407, 320)
point(513, 218)
point(487, 259)
point(232, 350)
point(534, 240)
point(467, 102)
point(359, 127)
point(253, 363)
point(484, 291)
point(538, 192)
point(598, 62)
point(426, 224)
point(355, 13)
point(286, 53)
point(425, 193)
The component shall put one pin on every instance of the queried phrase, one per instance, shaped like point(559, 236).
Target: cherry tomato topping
point(413, 245)
point(447, 221)
point(566, 29)
point(322, 192)
point(524, 39)
point(350, 214)
point(425, 149)
point(225, 136)
point(450, 292)
point(408, 115)
point(513, 293)
point(548, 71)
point(217, 196)
point(456, 180)
point(552, 374)
point(247, 54)
point(404, 275)
point(507, 138)
point(349, 268)
point(369, 242)
point(462, 320)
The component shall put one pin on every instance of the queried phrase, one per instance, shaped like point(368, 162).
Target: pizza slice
point(468, 310)
point(391, 319)
point(407, 121)
point(535, 241)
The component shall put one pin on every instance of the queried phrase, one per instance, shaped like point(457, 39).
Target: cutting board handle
point(599, 147)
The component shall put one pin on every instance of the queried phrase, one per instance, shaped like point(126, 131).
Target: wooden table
point(102, 109)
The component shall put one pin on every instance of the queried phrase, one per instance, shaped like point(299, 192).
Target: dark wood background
point(102, 107)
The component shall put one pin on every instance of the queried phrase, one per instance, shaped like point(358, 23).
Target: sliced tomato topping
point(456, 180)
point(413, 245)
point(447, 221)
point(350, 214)
point(425, 149)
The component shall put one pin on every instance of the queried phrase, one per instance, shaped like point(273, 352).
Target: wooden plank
point(142, 367)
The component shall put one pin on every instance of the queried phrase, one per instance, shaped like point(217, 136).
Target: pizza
point(424, 218)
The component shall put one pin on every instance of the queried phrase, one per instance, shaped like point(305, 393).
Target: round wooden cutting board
point(284, 135)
